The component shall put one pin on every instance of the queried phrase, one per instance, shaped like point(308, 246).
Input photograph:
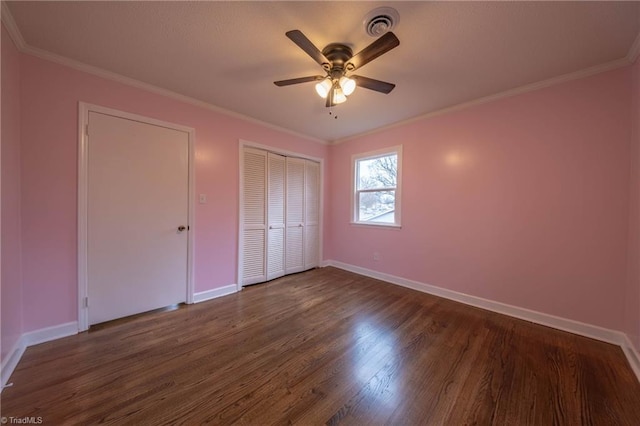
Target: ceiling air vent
point(381, 20)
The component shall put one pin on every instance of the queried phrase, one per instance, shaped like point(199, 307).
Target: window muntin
point(377, 188)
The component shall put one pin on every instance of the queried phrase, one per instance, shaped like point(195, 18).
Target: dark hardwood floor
point(325, 346)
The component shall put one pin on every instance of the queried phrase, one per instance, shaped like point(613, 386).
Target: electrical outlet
point(376, 256)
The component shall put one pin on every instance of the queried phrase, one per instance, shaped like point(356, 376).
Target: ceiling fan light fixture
point(338, 96)
point(347, 85)
point(323, 88)
point(337, 60)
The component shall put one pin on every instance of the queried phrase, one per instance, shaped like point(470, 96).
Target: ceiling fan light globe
point(323, 88)
point(347, 85)
point(338, 96)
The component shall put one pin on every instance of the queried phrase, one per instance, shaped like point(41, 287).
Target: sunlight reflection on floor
point(376, 363)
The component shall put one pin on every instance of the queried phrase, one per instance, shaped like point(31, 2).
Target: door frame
point(248, 144)
point(83, 173)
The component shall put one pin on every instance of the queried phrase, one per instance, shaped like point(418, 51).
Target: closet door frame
point(248, 144)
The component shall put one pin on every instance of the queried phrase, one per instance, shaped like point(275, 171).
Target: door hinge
point(86, 129)
point(85, 302)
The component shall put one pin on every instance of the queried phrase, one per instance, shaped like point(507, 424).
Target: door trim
point(248, 144)
point(83, 172)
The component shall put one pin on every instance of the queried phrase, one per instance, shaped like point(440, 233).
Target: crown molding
point(109, 75)
point(12, 27)
point(634, 50)
point(16, 36)
point(23, 47)
point(587, 72)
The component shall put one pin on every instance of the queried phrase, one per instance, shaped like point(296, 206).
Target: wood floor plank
point(325, 347)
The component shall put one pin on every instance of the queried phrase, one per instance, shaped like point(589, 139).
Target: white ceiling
point(228, 54)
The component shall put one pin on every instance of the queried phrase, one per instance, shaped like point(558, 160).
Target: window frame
point(355, 192)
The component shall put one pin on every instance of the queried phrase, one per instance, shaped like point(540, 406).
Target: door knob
point(181, 228)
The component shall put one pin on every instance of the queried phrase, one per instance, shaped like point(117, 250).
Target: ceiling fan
point(338, 60)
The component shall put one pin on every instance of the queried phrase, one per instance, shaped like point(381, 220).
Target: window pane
point(377, 206)
point(378, 172)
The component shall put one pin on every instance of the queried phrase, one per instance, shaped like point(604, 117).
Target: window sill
point(377, 225)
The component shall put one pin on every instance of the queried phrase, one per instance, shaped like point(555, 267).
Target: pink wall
point(522, 201)
point(10, 287)
point(50, 95)
point(632, 296)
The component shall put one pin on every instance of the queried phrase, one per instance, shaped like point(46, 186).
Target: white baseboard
point(50, 333)
point(30, 339)
point(216, 292)
point(11, 361)
point(564, 324)
point(632, 355)
point(610, 336)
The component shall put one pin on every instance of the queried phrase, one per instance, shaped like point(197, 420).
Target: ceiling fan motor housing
point(338, 54)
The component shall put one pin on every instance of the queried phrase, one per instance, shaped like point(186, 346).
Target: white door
point(295, 215)
point(137, 204)
point(311, 214)
point(254, 217)
point(275, 215)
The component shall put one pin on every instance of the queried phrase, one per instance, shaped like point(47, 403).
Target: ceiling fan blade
point(371, 84)
point(298, 80)
point(379, 47)
point(305, 44)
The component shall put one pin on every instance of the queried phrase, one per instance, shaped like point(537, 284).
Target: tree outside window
point(377, 188)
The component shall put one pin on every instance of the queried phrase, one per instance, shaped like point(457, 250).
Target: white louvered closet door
point(294, 257)
point(254, 217)
point(312, 215)
point(275, 215)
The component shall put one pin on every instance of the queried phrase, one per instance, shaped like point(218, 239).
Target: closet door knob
point(181, 228)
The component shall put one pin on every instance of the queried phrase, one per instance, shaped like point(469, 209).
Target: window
point(376, 199)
